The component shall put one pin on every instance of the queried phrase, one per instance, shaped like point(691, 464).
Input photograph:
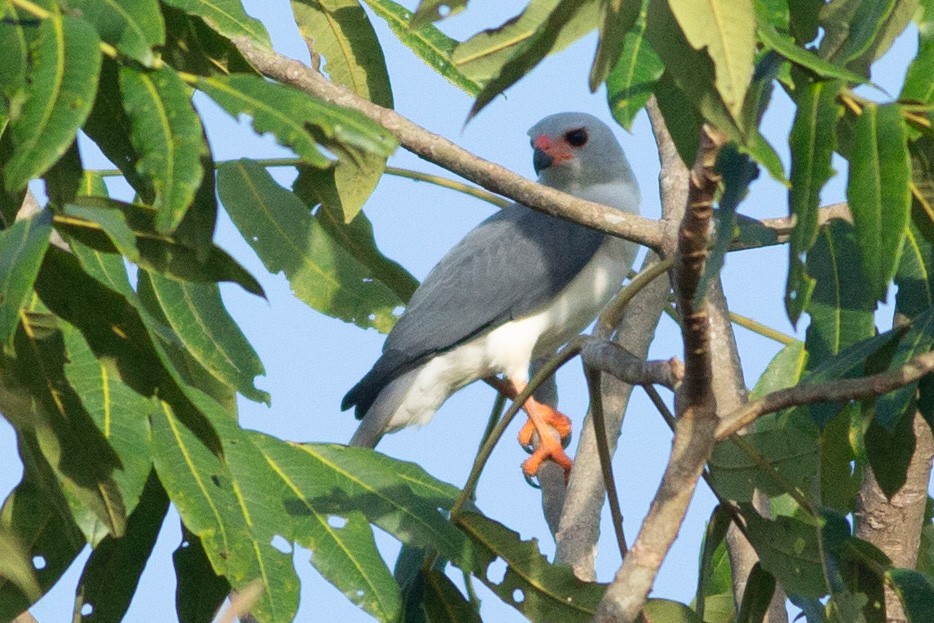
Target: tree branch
point(697, 422)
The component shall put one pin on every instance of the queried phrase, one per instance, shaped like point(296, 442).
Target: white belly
point(509, 348)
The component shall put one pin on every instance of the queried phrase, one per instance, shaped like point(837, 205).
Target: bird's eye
point(577, 138)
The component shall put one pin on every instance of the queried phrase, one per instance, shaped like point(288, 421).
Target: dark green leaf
point(804, 19)
point(37, 531)
point(199, 591)
point(14, 60)
point(340, 31)
point(713, 537)
point(66, 62)
point(812, 144)
point(531, 53)
point(756, 598)
point(738, 172)
point(727, 31)
point(63, 180)
point(789, 550)
point(840, 476)
point(134, 27)
point(618, 19)
point(167, 134)
point(443, 602)
point(541, 591)
point(915, 274)
point(227, 17)
point(918, 84)
point(786, 46)
point(112, 573)
point(22, 248)
point(878, 192)
point(633, 78)
point(287, 238)
point(889, 451)
point(193, 46)
point(681, 117)
point(430, 44)
point(915, 592)
point(899, 404)
point(197, 314)
point(101, 228)
point(857, 33)
point(668, 611)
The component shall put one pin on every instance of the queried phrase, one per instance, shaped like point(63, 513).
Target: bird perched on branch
point(516, 288)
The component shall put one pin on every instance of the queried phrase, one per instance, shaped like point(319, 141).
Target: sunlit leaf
point(166, 133)
point(803, 57)
point(226, 17)
point(632, 80)
point(65, 66)
point(727, 31)
point(340, 31)
point(288, 239)
point(857, 33)
point(433, 10)
point(618, 19)
point(134, 27)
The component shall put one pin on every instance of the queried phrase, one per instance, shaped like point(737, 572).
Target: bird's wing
point(512, 264)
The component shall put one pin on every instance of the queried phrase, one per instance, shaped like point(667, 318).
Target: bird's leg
point(544, 420)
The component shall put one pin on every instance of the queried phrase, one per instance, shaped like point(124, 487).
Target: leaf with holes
point(727, 31)
point(227, 17)
point(134, 27)
point(341, 32)
point(541, 591)
point(433, 10)
point(429, 44)
point(66, 62)
point(22, 248)
point(287, 238)
point(167, 135)
point(632, 80)
point(878, 192)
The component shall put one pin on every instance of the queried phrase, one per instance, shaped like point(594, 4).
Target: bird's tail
point(378, 419)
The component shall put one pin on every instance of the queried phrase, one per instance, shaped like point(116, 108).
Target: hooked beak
point(541, 160)
point(547, 153)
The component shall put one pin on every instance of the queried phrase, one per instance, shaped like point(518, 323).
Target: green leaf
point(789, 550)
point(668, 611)
point(915, 274)
point(227, 17)
point(433, 10)
point(889, 449)
point(727, 31)
point(304, 123)
point(812, 144)
point(841, 305)
point(915, 592)
point(803, 57)
point(134, 27)
point(287, 238)
point(760, 586)
point(194, 47)
point(197, 314)
point(111, 575)
point(784, 370)
point(878, 192)
point(443, 602)
point(224, 515)
point(857, 33)
point(899, 404)
point(681, 118)
point(199, 591)
point(619, 18)
point(356, 237)
point(66, 63)
point(536, 48)
point(918, 84)
point(112, 222)
point(633, 78)
point(539, 590)
point(100, 227)
point(22, 248)
point(714, 537)
point(429, 44)
point(37, 531)
point(340, 31)
point(167, 134)
point(14, 61)
point(771, 460)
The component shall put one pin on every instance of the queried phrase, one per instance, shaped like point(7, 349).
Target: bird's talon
point(531, 481)
point(566, 440)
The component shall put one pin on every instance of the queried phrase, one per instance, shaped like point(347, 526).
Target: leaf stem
point(763, 330)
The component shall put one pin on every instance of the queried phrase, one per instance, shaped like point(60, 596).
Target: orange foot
point(544, 420)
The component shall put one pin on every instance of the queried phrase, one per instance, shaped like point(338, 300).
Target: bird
point(516, 288)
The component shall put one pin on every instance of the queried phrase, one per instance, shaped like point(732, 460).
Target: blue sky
point(311, 360)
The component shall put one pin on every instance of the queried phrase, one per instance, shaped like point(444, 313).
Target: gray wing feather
point(513, 263)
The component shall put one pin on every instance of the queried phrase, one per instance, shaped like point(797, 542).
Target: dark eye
point(577, 138)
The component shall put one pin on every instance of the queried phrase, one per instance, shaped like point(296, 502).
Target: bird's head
point(574, 149)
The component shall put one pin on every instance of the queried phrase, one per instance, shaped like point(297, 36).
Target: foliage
point(123, 395)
